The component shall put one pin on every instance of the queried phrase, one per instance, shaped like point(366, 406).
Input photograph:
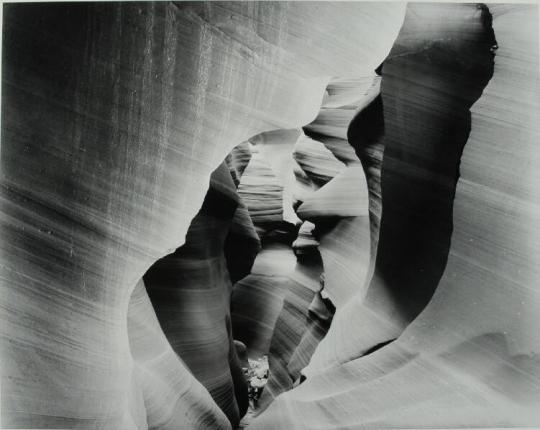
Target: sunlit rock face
point(266, 187)
point(339, 209)
point(348, 188)
point(470, 358)
point(335, 233)
point(114, 116)
point(237, 161)
point(295, 330)
point(425, 128)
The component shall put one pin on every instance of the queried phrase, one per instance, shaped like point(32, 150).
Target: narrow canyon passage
point(269, 215)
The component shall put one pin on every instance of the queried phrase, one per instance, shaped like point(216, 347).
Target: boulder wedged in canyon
point(114, 116)
point(305, 243)
point(471, 358)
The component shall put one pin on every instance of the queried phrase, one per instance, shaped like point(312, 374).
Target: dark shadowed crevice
point(378, 346)
point(422, 120)
point(190, 291)
point(366, 135)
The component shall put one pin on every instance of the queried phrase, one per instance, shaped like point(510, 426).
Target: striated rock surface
point(317, 162)
point(425, 130)
point(344, 97)
point(237, 161)
point(165, 393)
point(277, 147)
point(345, 252)
point(267, 186)
point(344, 196)
point(114, 115)
point(242, 244)
point(470, 358)
point(339, 209)
point(305, 243)
point(338, 213)
point(366, 135)
point(262, 193)
point(258, 298)
point(369, 228)
point(292, 328)
point(190, 290)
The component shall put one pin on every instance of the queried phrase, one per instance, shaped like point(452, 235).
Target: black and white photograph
point(269, 215)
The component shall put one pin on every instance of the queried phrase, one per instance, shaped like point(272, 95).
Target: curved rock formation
point(291, 328)
point(171, 395)
point(116, 114)
point(343, 196)
point(343, 99)
point(242, 244)
point(276, 147)
point(338, 210)
point(470, 358)
point(190, 291)
point(425, 130)
point(370, 227)
point(317, 162)
point(266, 187)
point(237, 161)
point(366, 134)
point(262, 193)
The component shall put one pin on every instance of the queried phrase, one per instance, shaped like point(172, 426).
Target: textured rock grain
point(470, 358)
point(115, 114)
point(429, 83)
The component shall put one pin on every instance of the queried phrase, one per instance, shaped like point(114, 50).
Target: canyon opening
point(270, 215)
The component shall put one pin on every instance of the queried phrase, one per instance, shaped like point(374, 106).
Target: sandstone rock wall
point(371, 224)
point(470, 358)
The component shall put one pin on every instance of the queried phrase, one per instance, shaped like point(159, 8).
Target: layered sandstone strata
point(471, 356)
point(191, 292)
point(393, 214)
point(114, 116)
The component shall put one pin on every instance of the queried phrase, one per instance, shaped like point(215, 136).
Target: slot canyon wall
point(469, 357)
point(350, 189)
